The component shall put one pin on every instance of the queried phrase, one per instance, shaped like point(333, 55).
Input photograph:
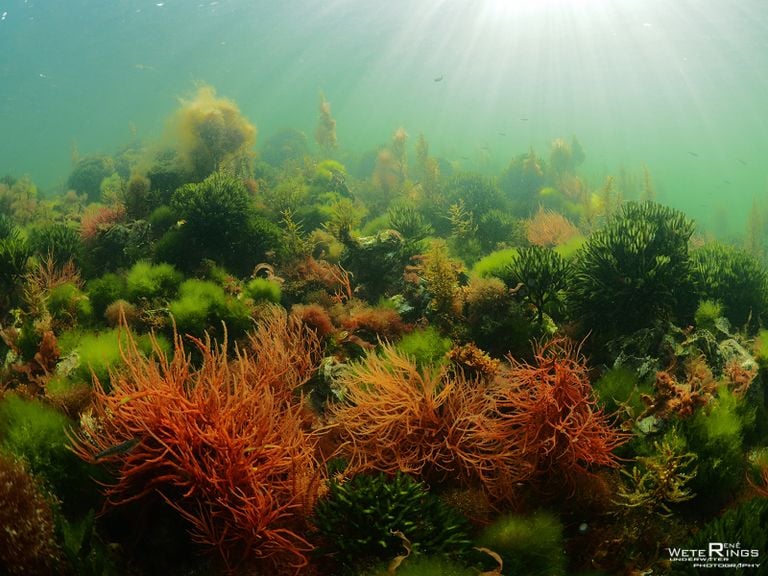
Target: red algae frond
point(550, 419)
point(226, 443)
point(399, 417)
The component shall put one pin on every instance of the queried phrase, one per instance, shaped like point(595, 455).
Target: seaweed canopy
point(212, 133)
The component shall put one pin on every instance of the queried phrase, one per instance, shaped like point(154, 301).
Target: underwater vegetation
point(28, 539)
point(527, 544)
point(547, 410)
point(87, 175)
point(733, 278)
point(14, 253)
point(217, 221)
point(424, 420)
point(744, 523)
point(225, 357)
point(634, 271)
point(212, 134)
point(32, 432)
point(426, 346)
point(234, 461)
point(542, 276)
point(202, 304)
point(367, 518)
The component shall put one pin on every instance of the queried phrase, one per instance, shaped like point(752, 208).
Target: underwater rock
point(732, 351)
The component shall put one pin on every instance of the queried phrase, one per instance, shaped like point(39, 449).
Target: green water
point(678, 86)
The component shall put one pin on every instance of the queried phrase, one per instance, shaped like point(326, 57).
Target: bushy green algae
point(425, 346)
point(715, 433)
point(495, 263)
point(529, 545)
point(633, 272)
point(104, 290)
point(61, 242)
point(99, 352)
point(358, 520)
point(202, 305)
point(620, 389)
point(68, 304)
point(706, 315)
point(262, 289)
point(34, 431)
point(743, 525)
point(736, 279)
point(542, 276)
point(570, 248)
point(147, 281)
point(760, 349)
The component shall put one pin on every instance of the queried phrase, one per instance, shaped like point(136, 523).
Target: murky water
point(678, 87)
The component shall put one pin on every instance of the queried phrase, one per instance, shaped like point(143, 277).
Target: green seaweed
point(216, 220)
point(529, 545)
point(104, 290)
point(262, 289)
point(734, 278)
point(14, 253)
point(495, 263)
point(59, 241)
point(707, 314)
point(540, 275)
point(634, 272)
point(88, 173)
point(150, 281)
point(35, 432)
point(70, 305)
point(426, 346)
point(98, 353)
point(716, 435)
point(620, 389)
point(357, 519)
point(202, 305)
point(742, 526)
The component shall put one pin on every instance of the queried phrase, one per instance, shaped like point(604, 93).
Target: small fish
point(121, 448)
point(438, 79)
point(695, 154)
point(463, 157)
point(727, 182)
point(502, 133)
point(523, 119)
point(742, 162)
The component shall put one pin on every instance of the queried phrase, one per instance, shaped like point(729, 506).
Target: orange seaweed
point(225, 444)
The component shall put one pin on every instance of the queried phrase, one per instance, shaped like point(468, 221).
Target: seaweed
point(633, 272)
point(365, 518)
